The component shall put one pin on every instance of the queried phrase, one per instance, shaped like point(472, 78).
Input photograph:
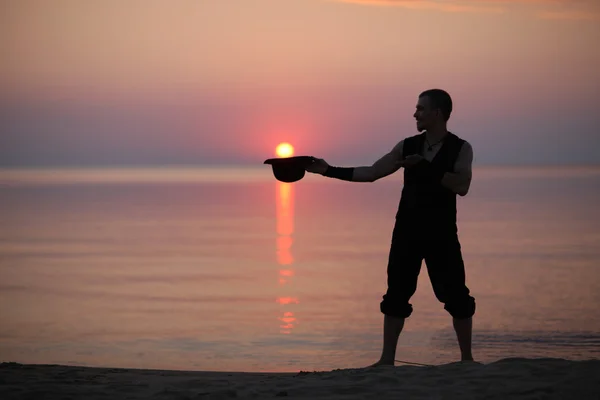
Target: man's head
point(434, 107)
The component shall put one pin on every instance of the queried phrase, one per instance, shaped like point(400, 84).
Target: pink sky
point(223, 81)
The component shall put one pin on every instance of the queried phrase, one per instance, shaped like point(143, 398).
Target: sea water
point(228, 269)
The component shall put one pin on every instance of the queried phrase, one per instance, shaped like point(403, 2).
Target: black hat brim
point(289, 169)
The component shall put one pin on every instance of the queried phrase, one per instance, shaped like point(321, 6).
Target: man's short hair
point(439, 99)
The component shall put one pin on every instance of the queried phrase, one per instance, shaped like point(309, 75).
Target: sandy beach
point(514, 378)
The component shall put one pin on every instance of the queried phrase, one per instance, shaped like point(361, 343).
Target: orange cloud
point(569, 9)
point(449, 6)
point(573, 15)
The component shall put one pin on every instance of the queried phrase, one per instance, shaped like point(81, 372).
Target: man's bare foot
point(382, 363)
point(392, 326)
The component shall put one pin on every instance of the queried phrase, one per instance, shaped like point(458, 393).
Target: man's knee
point(461, 309)
point(395, 309)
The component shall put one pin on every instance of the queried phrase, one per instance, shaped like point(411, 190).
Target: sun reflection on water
point(284, 196)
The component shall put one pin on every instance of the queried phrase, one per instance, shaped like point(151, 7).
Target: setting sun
point(284, 150)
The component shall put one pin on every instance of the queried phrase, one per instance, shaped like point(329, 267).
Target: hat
point(289, 169)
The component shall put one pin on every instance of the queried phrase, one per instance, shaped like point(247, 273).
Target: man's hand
point(411, 160)
point(318, 166)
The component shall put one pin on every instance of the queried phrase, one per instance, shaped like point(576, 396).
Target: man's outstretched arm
point(386, 165)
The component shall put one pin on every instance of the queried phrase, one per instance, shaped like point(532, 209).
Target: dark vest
point(429, 205)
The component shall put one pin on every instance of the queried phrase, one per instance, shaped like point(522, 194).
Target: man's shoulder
point(464, 143)
point(465, 152)
point(456, 137)
point(410, 144)
point(413, 138)
point(466, 146)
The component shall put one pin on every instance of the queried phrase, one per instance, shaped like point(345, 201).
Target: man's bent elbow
point(462, 192)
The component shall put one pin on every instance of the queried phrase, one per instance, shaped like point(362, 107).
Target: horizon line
point(250, 165)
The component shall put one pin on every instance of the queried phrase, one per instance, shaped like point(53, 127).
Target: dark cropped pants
point(443, 258)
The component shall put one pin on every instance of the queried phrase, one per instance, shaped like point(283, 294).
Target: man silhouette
point(437, 168)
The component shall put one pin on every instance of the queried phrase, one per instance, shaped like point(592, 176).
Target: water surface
point(222, 269)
